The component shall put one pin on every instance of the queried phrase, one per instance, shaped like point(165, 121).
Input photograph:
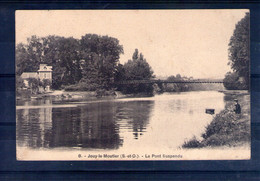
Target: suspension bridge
point(158, 81)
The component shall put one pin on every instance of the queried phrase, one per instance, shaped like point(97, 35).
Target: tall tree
point(70, 60)
point(135, 55)
point(28, 56)
point(239, 49)
point(137, 69)
point(100, 55)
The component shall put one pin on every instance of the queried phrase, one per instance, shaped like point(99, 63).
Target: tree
point(232, 82)
point(19, 83)
point(239, 50)
point(135, 55)
point(100, 55)
point(120, 73)
point(34, 85)
point(171, 87)
point(45, 83)
point(136, 69)
point(28, 56)
point(177, 87)
point(90, 80)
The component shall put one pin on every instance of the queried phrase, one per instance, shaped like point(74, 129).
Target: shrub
point(193, 143)
point(80, 87)
point(216, 140)
point(231, 82)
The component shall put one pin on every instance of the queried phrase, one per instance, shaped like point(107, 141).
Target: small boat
point(210, 111)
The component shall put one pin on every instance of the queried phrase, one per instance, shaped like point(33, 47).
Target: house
point(44, 72)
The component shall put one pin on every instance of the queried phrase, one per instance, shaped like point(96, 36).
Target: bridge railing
point(167, 81)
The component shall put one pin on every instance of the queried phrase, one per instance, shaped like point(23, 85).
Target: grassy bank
point(227, 128)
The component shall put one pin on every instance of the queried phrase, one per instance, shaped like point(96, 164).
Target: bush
point(80, 87)
point(232, 82)
point(216, 140)
point(222, 124)
point(193, 143)
point(102, 92)
point(75, 87)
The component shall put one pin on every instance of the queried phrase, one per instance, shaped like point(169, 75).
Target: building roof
point(26, 75)
point(45, 68)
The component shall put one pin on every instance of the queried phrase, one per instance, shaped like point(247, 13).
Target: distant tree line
point(239, 56)
point(183, 87)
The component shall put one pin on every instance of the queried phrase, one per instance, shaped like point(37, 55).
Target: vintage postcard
point(133, 84)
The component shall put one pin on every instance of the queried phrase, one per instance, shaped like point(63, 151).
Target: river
point(162, 122)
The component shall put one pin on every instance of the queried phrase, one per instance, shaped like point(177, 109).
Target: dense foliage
point(135, 69)
point(61, 53)
point(232, 82)
point(35, 84)
point(100, 56)
point(90, 60)
point(239, 54)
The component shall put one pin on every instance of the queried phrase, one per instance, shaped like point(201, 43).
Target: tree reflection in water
point(95, 125)
point(134, 114)
point(32, 127)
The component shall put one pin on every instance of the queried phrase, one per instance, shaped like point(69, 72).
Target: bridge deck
point(167, 81)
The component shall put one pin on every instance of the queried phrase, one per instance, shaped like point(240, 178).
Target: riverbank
point(74, 95)
point(58, 94)
point(227, 128)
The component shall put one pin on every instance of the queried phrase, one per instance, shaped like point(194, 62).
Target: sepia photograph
point(132, 84)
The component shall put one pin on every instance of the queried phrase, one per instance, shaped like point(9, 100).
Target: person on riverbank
point(237, 107)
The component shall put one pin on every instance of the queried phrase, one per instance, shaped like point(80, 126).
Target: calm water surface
point(160, 122)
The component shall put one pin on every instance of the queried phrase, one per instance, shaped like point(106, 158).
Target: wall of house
point(45, 75)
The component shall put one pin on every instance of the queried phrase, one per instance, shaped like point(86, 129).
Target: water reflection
point(33, 125)
point(90, 126)
point(161, 122)
point(134, 115)
point(97, 125)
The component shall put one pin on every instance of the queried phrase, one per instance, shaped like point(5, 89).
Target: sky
point(187, 42)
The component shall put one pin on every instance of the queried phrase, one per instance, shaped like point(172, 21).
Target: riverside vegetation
point(227, 128)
